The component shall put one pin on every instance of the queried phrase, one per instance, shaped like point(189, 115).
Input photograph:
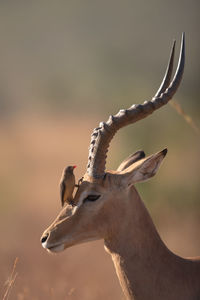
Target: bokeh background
point(65, 66)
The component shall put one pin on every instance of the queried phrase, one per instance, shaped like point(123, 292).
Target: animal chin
point(67, 244)
point(59, 248)
point(55, 249)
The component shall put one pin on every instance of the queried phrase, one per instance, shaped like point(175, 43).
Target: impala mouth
point(67, 244)
point(55, 248)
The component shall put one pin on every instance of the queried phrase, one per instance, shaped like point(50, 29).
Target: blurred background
point(65, 66)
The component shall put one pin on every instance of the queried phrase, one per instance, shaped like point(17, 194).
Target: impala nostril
point(44, 238)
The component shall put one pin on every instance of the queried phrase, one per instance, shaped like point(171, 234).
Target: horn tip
point(164, 151)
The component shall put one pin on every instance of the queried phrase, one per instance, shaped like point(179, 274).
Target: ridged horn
point(102, 135)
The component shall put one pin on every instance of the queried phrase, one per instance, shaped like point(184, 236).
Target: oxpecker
point(67, 184)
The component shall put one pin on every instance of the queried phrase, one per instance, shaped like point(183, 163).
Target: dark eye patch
point(91, 198)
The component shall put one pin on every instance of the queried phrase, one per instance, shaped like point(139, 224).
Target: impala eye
point(91, 198)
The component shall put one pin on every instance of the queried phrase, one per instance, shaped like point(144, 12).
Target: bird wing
point(62, 192)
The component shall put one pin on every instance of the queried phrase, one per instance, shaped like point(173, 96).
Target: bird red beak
point(74, 167)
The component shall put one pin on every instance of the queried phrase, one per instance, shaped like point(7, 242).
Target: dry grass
point(11, 280)
point(185, 116)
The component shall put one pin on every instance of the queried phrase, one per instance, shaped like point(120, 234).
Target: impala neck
point(137, 251)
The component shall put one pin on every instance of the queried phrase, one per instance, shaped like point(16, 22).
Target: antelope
point(107, 206)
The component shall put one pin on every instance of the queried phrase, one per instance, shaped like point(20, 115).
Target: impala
point(107, 206)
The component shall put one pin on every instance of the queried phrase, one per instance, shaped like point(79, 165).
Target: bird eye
point(91, 198)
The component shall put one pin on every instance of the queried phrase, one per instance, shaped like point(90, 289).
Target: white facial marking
point(84, 194)
point(80, 202)
point(58, 248)
point(44, 245)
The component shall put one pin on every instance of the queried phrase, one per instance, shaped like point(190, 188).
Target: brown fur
point(146, 268)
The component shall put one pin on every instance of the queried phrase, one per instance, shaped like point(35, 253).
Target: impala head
point(102, 198)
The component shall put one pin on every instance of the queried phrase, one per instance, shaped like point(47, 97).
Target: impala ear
point(130, 160)
point(143, 169)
